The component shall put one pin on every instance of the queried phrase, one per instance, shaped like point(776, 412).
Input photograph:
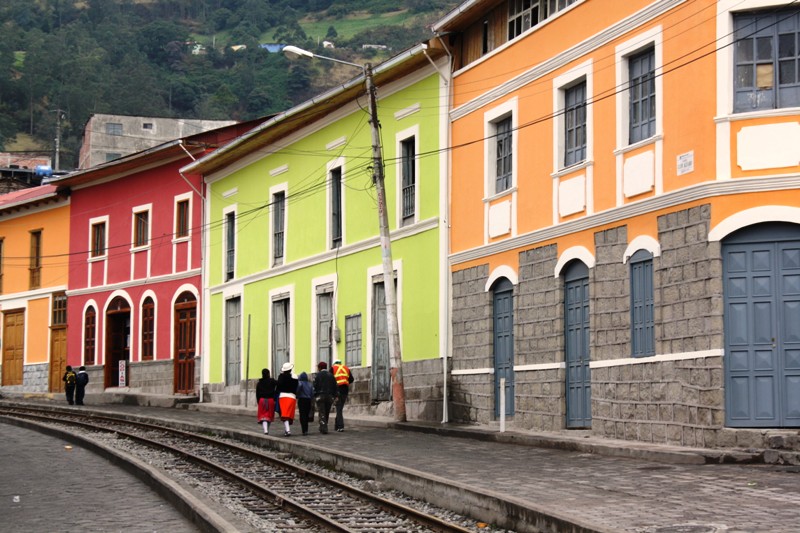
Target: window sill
point(94, 259)
point(572, 168)
point(508, 192)
point(145, 248)
point(761, 113)
point(176, 240)
point(631, 147)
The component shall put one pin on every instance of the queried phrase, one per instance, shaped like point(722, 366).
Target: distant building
point(272, 48)
point(374, 47)
point(109, 137)
point(328, 44)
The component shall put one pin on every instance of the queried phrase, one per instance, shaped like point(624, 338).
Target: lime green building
point(292, 259)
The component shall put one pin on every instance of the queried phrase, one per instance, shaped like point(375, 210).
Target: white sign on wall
point(122, 373)
point(686, 163)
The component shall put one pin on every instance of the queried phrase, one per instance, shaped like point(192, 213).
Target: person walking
point(343, 380)
point(325, 392)
point(81, 380)
point(287, 396)
point(265, 398)
point(70, 377)
point(305, 392)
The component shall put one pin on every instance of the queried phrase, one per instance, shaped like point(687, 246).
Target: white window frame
point(225, 212)
point(490, 119)
point(186, 197)
point(650, 38)
point(92, 223)
point(338, 162)
point(582, 72)
point(144, 208)
point(330, 279)
point(400, 138)
point(280, 188)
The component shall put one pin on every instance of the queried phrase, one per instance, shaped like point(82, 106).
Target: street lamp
point(392, 326)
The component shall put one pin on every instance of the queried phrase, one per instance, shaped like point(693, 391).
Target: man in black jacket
point(325, 393)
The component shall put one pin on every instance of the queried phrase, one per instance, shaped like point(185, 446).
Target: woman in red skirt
point(287, 389)
point(265, 398)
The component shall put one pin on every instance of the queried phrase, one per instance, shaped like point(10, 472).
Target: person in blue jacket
point(81, 380)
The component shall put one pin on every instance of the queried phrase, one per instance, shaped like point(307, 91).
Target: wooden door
point(13, 347)
point(185, 340)
point(58, 358)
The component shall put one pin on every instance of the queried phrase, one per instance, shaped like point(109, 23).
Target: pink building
point(134, 267)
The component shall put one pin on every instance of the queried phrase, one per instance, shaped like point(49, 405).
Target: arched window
point(148, 328)
point(89, 332)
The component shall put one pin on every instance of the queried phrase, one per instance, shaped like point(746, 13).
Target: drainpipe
point(445, 277)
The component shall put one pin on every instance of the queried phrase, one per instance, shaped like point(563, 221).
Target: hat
point(322, 365)
point(337, 362)
point(287, 367)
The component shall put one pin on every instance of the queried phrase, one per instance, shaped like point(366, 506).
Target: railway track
point(280, 495)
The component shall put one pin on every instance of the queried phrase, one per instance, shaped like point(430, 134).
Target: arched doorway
point(503, 327)
point(118, 339)
point(185, 341)
point(576, 345)
point(761, 287)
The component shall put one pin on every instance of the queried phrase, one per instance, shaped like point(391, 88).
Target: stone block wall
point(472, 395)
point(688, 284)
point(678, 402)
point(610, 298)
point(152, 377)
point(669, 402)
point(539, 339)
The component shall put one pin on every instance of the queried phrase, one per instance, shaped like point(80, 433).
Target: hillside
point(175, 58)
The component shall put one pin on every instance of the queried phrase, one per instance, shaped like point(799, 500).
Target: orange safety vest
point(342, 374)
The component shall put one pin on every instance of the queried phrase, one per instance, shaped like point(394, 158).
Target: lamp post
point(392, 327)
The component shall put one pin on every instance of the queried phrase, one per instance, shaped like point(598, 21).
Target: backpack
point(70, 379)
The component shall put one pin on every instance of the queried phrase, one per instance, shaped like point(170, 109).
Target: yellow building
point(626, 208)
point(34, 265)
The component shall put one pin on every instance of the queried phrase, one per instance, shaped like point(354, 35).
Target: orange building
point(34, 259)
point(625, 214)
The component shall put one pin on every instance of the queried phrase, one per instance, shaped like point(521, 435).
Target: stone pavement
point(633, 488)
point(47, 486)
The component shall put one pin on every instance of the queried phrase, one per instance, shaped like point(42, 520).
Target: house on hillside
point(626, 208)
point(293, 256)
point(34, 251)
point(110, 137)
point(135, 259)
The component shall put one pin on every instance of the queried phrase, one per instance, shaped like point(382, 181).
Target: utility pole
point(59, 116)
point(393, 326)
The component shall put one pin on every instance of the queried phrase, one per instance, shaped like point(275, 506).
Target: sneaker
point(340, 430)
point(287, 434)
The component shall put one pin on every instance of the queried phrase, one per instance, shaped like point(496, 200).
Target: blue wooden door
point(503, 318)
point(576, 333)
point(762, 327)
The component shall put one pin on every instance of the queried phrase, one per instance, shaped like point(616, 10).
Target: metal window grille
point(278, 230)
point(408, 156)
point(230, 245)
point(336, 207)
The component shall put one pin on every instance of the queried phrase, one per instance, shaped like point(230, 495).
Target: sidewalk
point(578, 482)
